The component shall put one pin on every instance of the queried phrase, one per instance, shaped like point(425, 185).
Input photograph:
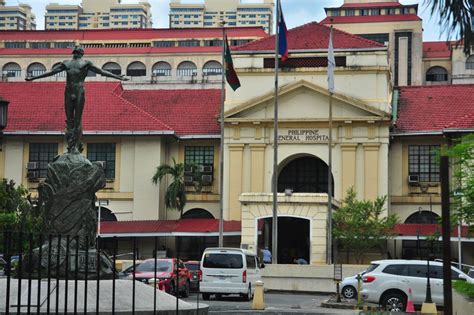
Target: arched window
point(60, 74)
point(35, 69)
point(112, 67)
point(12, 70)
point(197, 213)
point(161, 69)
point(470, 62)
point(136, 69)
point(436, 74)
point(422, 217)
point(306, 174)
point(186, 69)
point(212, 68)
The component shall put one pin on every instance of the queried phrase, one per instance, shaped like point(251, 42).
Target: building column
point(371, 170)
point(348, 167)
point(257, 167)
point(235, 179)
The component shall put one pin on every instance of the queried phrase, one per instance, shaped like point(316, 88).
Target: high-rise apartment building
point(211, 12)
point(93, 14)
point(17, 17)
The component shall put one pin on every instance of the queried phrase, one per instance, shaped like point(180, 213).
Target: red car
point(194, 268)
point(165, 273)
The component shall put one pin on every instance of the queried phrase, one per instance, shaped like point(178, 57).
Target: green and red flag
point(230, 73)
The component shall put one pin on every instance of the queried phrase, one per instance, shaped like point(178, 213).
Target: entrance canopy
point(422, 231)
point(183, 227)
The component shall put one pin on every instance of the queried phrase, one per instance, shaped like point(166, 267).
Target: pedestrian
point(300, 261)
point(267, 255)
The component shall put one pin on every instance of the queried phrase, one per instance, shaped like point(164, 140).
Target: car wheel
point(394, 302)
point(349, 292)
point(187, 289)
point(248, 295)
point(206, 296)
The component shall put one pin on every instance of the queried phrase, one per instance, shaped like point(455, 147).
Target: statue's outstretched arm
point(56, 69)
point(106, 73)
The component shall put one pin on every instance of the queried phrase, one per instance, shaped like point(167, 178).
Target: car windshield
point(225, 261)
point(192, 267)
point(371, 268)
point(161, 266)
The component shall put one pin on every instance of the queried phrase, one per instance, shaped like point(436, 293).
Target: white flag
point(331, 65)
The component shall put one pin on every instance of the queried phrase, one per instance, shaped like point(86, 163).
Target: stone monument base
point(144, 298)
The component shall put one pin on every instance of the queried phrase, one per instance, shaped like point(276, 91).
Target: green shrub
point(464, 288)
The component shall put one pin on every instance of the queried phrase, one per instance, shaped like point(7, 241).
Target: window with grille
point(379, 38)
point(422, 161)
point(304, 62)
point(437, 74)
point(199, 155)
point(42, 154)
point(470, 62)
point(103, 152)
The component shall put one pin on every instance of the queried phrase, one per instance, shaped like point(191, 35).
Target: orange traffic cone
point(410, 306)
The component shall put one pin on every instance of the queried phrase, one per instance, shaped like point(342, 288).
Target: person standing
point(267, 255)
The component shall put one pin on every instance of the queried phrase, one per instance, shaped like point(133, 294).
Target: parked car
point(471, 273)
point(127, 271)
point(349, 286)
point(387, 282)
point(229, 271)
point(196, 273)
point(164, 276)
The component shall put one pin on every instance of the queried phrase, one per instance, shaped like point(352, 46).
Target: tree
point(359, 225)
point(175, 197)
point(455, 17)
point(13, 203)
point(461, 156)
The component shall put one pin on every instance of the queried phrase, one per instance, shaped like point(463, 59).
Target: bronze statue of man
point(76, 70)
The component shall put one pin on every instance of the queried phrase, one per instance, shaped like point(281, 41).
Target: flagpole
point(221, 152)
point(329, 257)
point(275, 148)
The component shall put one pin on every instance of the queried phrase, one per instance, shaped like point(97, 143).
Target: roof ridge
point(139, 108)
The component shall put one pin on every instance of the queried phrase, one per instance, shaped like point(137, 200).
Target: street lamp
point(3, 118)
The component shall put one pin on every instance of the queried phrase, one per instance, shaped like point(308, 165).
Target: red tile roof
point(435, 108)
point(370, 19)
point(168, 226)
point(188, 112)
point(109, 51)
point(372, 5)
point(440, 49)
point(135, 34)
point(312, 36)
point(39, 107)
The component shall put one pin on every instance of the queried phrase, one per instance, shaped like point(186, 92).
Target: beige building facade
point(106, 14)
point(212, 12)
point(19, 17)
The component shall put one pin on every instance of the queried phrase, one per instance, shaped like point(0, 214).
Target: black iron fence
point(62, 274)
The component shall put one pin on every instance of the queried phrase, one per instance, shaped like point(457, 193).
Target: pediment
point(302, 101)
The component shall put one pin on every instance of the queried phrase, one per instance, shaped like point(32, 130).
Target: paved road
point(277, 303)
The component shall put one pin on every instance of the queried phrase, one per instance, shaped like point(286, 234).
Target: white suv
point(387, 282)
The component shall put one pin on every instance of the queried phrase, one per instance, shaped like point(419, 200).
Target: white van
point(229, 271)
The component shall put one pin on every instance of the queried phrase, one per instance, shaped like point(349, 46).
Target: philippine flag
point(282, 35)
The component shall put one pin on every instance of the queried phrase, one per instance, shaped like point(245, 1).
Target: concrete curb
point(346, 306)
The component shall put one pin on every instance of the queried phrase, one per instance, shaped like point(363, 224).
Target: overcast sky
point(297, 12)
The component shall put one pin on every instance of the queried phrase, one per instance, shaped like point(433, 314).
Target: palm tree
point(455, 17)
point(175, 197)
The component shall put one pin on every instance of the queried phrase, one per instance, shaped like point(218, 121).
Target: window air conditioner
point(32, 166)
point(188, 169)
point(413, 179)
point(32, 175)
point(206, 179)
point(188, 179)
point(207, 168)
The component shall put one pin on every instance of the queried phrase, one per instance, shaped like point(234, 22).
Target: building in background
point(211, 12)
point(93, 14)
point(388, 22)
point(166, 56)
point(17, 17)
